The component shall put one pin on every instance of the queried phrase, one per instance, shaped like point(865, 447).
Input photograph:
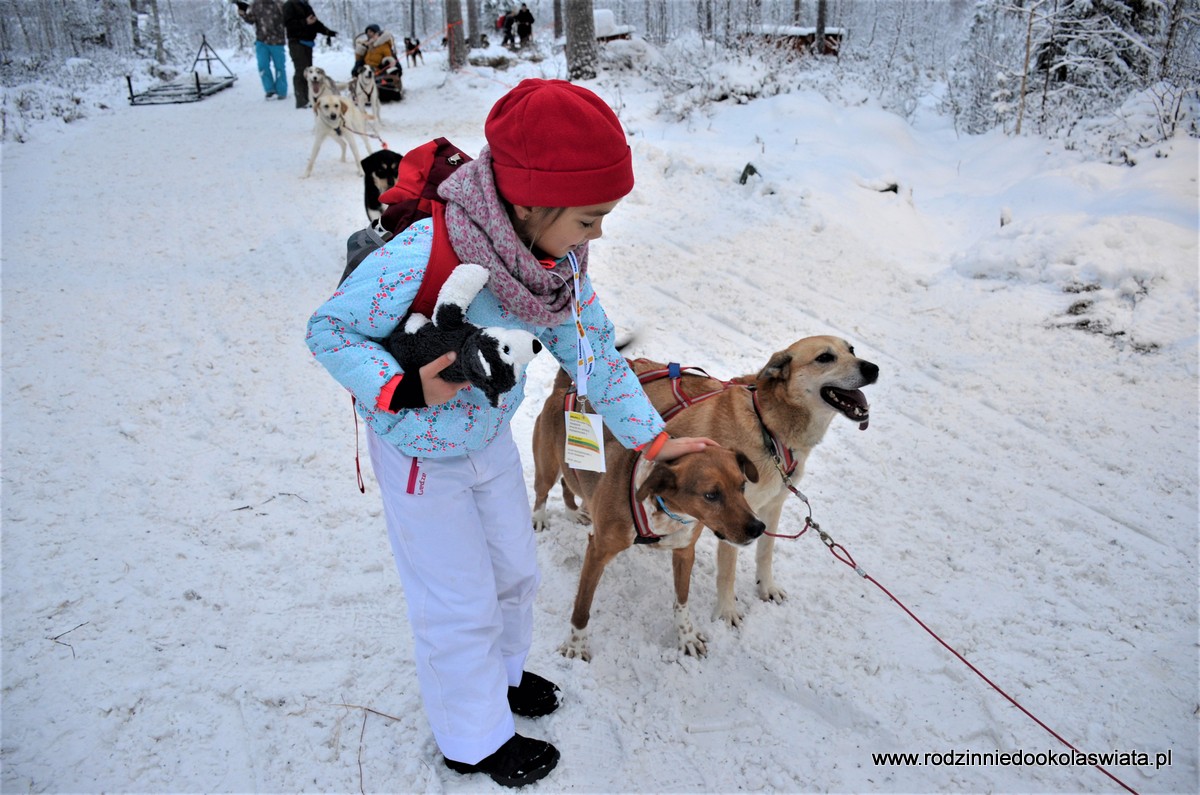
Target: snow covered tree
point(581, 40)
point(1087, 56)
point(986, 70)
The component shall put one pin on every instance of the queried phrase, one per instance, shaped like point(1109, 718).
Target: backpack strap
point(442, 261)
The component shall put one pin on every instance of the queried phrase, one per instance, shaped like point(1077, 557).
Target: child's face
point(573, 227)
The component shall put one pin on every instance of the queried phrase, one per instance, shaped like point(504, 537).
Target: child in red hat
point(458, 518)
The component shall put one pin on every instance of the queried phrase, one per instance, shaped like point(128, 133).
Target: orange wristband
point(656, 446)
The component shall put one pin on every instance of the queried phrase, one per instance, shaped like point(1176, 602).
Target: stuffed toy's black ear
point(450, 316)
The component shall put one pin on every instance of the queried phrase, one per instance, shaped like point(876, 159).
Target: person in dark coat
point(302, 27)
point(508, 20)
point(524, 25)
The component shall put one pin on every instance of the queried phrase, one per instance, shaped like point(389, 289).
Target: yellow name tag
point(585, 441)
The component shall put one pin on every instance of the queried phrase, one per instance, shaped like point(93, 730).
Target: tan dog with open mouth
point(339, 119)
point(671, 501)
point(776, 417)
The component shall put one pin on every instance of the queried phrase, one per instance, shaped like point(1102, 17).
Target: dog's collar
point(645, 521)
point(662, 506)
point(785, 462)
point(784, 459)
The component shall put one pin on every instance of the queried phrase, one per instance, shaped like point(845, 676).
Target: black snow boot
point(518, 762)
point(534, 697)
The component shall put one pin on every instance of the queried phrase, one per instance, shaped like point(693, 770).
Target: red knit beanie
point(555, 144)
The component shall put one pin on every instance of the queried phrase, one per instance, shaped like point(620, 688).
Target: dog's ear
point(661, 478)
point(748, 468)
point(345, 104)
point(778, 368)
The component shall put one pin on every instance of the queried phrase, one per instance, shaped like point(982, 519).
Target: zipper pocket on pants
point(414, 478)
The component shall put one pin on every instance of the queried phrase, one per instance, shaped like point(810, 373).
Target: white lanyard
point(586, 360)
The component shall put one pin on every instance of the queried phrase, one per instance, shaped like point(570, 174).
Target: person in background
point(524, 26)
point(302, 27)
point(508, 21)
point(267, 18)
point(372, 47)
point(449, 472)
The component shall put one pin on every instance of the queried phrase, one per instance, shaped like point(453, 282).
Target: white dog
point(338, 118)
point(318, 83)
point(365, 92)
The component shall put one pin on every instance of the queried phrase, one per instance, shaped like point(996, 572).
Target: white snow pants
point(462, 535)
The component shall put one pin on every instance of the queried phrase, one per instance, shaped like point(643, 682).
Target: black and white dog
point(379, 173)
point(412, 51)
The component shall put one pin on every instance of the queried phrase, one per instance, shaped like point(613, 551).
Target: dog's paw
point(580, 516)
point(576, 647)
point(691, 642)
point(770, 592)
point(728, 613)
point(540, 521)
point(693, 645)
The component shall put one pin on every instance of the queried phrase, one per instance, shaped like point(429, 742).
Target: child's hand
point(436, 390)
point(673, 448)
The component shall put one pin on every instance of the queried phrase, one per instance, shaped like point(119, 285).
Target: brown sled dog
point(679, 499)
point(777, 417)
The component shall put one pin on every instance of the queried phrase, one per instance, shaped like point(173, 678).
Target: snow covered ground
point(196, 598)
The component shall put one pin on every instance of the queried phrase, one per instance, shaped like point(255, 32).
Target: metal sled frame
point(187, 88)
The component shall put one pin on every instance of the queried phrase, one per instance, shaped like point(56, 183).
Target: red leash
point(840, 552)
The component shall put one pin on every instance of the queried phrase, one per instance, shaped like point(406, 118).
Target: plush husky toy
point(488, 358)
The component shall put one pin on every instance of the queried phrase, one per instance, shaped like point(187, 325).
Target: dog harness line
point(674, 371)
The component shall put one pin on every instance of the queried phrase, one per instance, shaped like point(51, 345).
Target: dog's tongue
point(850, 402)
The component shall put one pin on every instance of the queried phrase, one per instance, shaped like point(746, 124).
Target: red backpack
point(412, 198)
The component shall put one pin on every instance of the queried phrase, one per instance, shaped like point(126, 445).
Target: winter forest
point(1025, 66)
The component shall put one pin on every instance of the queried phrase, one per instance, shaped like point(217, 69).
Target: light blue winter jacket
point(342, 334)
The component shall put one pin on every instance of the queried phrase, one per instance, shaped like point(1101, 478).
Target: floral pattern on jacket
point(343, 334)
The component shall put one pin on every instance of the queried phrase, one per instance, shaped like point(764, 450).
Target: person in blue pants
point(267, 18)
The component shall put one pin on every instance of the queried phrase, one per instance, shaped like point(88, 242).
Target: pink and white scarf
point(482, 233)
